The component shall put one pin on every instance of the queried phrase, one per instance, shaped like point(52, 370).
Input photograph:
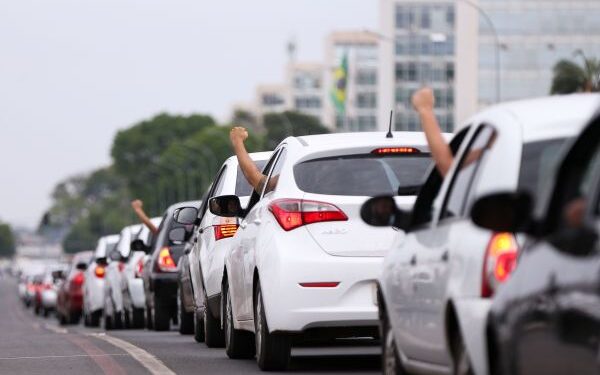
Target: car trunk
point(353, 238)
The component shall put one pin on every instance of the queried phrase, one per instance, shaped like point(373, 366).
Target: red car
point(69, 303)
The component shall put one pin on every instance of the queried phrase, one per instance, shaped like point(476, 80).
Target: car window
point(242, 187)
point(220, 182)
point(362, 175)
point(273, 179)
point(466, 172)
point(423, 208)
point(255, 197)
point(538, 162)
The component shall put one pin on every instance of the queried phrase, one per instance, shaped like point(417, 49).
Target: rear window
point(537, 164)
point(361, 175)
point(242, 188)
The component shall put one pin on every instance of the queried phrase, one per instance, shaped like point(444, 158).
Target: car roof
point(177, 205)
point(546, 117)
point(362, 139)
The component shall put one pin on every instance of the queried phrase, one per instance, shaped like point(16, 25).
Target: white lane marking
point(150, 362)
point(55, 329)
point(67, 356)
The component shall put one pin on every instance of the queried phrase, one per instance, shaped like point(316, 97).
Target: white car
point(113, 312)
point(213, 239)
point(439, 279)
point(302, 260)
point(93, 284)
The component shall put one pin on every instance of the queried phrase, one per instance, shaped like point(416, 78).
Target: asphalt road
point(34, 345)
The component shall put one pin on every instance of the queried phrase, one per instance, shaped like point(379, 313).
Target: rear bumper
point(94, 294)
point(49, 299)
point(137, 293)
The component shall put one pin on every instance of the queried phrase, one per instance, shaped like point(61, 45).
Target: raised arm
point(138, 208)
point(254, 177)
point(424, 101)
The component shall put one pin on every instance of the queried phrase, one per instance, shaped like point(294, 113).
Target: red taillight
point(139, 268)
point(224, 231)
point(327, 284)
point(500, 260)
point(77, 280)
point(165, 260)
point(46, 286)
point(121, 266)
point(395, 150)
point(293, 213)
point(99, 271)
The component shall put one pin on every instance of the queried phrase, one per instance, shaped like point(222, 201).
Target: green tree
point(247, 120)
point(137, 150)
point(7, 241)
point(290, 123)
point(570, 77)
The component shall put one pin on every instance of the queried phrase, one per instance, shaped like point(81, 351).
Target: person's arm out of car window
point(138, 208)
point(254, 177)
point(424, 102)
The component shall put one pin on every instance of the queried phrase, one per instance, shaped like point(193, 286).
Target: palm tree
point(570, 77)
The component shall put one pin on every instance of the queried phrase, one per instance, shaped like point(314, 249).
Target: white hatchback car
point(93, 284)
point(437, 283)
point(213, 239)
point(302, 262)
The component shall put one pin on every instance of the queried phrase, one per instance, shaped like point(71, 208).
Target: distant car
point(302, 263)
point(211, 240)
point(69, 302)
point(48, 289)
point(185, 291)
point(439, 280)
point(93, 285)
point(545, 319)
point(160, 269)
point(37, 287)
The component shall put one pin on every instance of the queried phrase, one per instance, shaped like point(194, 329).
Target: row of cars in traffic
point(490, 265)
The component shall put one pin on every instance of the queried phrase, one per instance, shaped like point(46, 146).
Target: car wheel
point(186, 319)
point(391, 363)
point(149, 319)
point(462, 363)
point(62, 320)
point(137, 318)
point(45, 312)
point(161, 314)
point(95, 318)
point(213, 334)
point(36, 309)
point(238, 344)
point(198, 327)
point(272, 350)
point(74, 318)
point(118, 320)
point(108, 322)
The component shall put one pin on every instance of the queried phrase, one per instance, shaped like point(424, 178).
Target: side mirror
point(186, 215)
point(177, 235)
point(503, 212)
point(81, 266)
point(409, 190)
point(139, 245)
point(383, 212)
point(226, 206)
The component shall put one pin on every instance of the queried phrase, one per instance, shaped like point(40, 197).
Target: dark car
point(546, 318)
point(187, 305)
point(160, 273)
point(69, 301)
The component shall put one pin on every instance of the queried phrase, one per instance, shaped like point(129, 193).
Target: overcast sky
point(74, 72)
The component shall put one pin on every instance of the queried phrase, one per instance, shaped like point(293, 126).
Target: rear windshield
point(361, 175)
point(537, 163)
point(242, 188)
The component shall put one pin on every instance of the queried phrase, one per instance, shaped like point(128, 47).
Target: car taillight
point(294, 213)
point(500, 260)
point(165, 261)
point(77, 280)
point(99, 271)
point(46, 286)
point(395, 150)
point(139, 268)
point(224, 231)
point(121, 266)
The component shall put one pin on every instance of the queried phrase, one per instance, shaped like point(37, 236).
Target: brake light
point(99, 271)
point(224, 231)
point(328, 284)
point(121, 266)
point(139, 268)
point(46, 286)
point(294, 213)
point(395, 150)
point(500, 260)
point(77, 280)
point(165, 260)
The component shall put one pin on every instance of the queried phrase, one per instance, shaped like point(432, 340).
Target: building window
point(310, 102)
point(366, 100)
point(366, 78)
point(272, 100)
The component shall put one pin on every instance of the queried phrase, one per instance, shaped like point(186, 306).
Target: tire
point(108, 322)
point(238, 344)
point(161, 314)
point(462, 363)
point(198, 327)
point(186, 319)
point(272, 350)
point(74, 318)
point(118, 320)
point(94, 318)
point(62, 320)
point(391, 364)
point(149, 319)
point(137, 318)
point(36, 309)
point(214, 337)
point(45, 312)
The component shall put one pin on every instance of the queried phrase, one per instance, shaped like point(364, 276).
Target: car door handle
point(444, 257)
point(413, 260)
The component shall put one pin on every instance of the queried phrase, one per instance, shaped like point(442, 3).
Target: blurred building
point(453, 46)
point(271, 98)
point(359, 49)
point(305, 88)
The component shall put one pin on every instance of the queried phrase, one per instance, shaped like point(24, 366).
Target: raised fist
point(137, 204)
point(423, 100)
point(238, 134)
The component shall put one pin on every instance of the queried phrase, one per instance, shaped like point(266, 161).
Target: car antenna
point(389, 133)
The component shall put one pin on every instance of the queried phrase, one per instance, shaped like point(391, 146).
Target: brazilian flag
point(340, 84)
